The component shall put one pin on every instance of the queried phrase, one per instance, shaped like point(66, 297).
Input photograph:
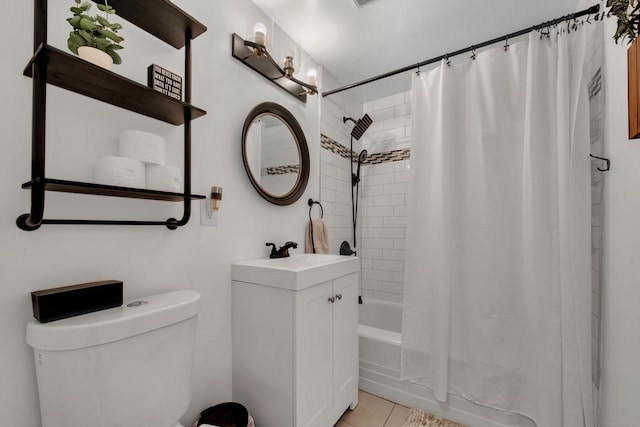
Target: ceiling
point(355, 43)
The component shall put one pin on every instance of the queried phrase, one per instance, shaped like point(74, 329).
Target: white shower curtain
point(497, 300)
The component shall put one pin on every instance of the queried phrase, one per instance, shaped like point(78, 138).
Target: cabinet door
point(313, 356)
point(345, 343)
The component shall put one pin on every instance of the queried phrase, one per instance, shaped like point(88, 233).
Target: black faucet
point(283, 252)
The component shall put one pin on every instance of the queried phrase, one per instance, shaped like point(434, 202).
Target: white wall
point(621, 265)
point(148, 259)
point(620, 385)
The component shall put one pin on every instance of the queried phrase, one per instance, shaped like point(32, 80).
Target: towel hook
point(607, 162)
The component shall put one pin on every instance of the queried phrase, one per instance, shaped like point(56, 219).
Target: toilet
point(129, 366)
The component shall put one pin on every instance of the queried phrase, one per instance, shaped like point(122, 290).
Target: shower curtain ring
point(506, 43)
point(473, 53)
point(447, 60)
point(418, 67)
point(545, 32)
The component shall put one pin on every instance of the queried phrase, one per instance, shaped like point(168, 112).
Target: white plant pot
point(95, 56)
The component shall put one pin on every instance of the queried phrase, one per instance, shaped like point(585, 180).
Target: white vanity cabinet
point(295, 339)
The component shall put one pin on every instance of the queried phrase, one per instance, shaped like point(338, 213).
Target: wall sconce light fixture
point(210, 207)
point(215, 197)
point(254, 55)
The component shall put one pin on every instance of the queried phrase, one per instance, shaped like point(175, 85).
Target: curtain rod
point(589, 11)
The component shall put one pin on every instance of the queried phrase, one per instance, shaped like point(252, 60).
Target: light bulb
point(260, 31)
point(312, 77)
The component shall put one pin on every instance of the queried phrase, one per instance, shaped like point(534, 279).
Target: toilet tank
point(129, 366)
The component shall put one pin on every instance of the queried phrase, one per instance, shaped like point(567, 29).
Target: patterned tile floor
point(374, 411)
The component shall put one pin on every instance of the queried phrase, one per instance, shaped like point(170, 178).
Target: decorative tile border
point(388, 156)
point(335, 147)
point(280, 170)
point(372, 159)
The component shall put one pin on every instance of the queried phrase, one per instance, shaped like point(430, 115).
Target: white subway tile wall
point(382, 207)
point(335, 196)
point(384, 196)
point(335, 168)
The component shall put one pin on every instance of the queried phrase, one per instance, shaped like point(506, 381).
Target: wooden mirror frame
point(303, 150)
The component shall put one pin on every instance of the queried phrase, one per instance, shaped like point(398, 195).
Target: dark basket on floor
point(228, 414)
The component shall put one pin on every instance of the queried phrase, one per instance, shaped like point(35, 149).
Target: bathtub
point(380, 339)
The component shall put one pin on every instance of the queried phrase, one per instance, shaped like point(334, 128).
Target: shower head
point(363, 156)
point(355, 177)
point(361, 126)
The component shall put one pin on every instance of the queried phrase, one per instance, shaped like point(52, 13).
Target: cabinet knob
point(338, 296)
point(332, 300)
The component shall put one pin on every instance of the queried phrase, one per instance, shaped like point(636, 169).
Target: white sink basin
point(295, 272)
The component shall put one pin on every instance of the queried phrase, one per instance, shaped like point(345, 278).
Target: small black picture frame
point(164, 81)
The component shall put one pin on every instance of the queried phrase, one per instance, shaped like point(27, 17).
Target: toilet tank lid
point(133, 318)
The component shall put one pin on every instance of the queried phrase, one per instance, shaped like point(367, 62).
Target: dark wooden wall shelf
point(161, 18)
point(109, 190)
point(77, 75)
point(49, 65)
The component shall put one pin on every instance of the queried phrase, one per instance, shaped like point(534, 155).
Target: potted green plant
point(628, 14)
point(94, 38)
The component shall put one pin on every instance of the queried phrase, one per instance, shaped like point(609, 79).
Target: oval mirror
point(275, 153)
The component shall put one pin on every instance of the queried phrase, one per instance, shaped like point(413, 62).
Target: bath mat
point(419, 418)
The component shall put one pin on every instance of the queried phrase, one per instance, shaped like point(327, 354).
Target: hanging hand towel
point(317, 241)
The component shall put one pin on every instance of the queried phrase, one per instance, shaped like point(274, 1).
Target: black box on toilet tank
point(68, 301)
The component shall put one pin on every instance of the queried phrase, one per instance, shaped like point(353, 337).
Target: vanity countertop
point(296, 272)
